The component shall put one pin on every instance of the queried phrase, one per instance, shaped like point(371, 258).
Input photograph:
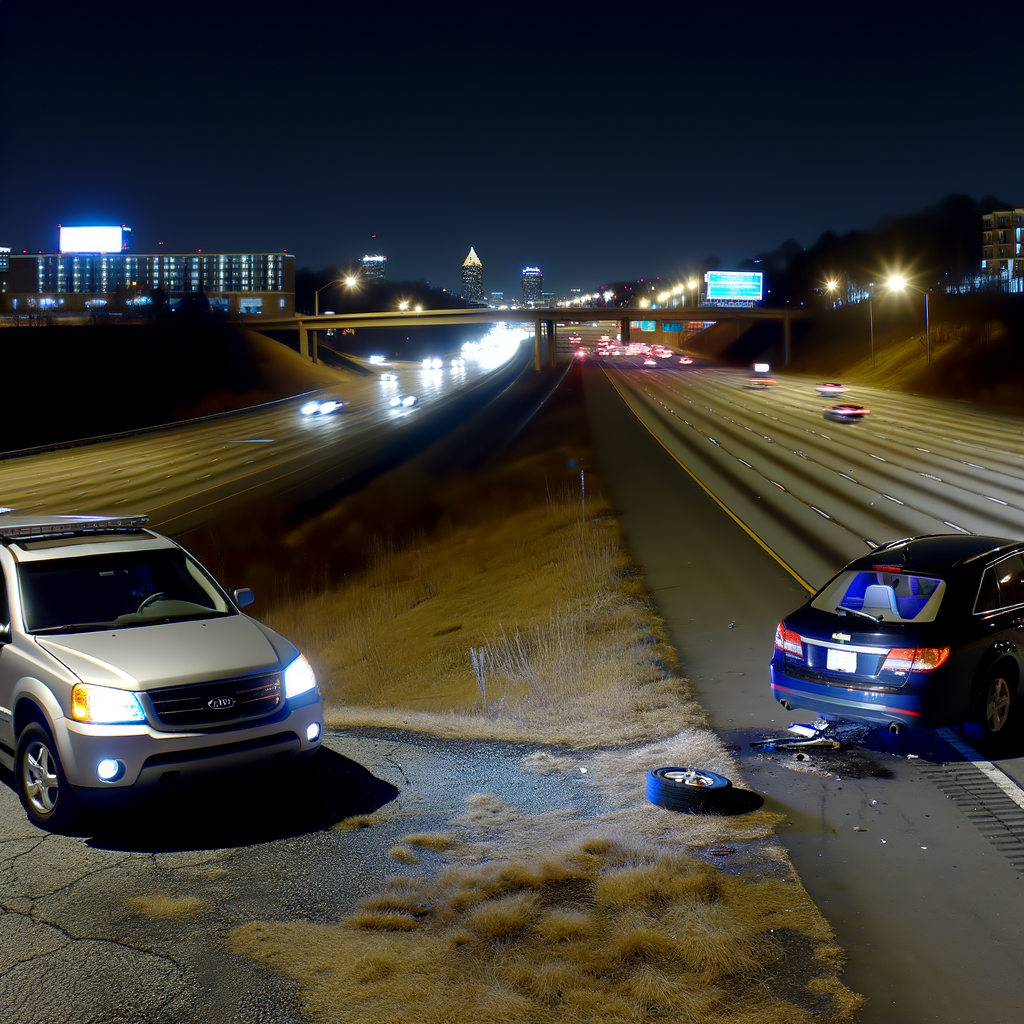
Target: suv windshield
point(883, 596)
point(124, 588)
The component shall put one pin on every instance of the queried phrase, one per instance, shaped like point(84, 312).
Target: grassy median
point(519, 616)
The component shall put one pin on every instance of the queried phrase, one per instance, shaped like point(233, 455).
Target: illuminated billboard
point(730, 285)
point(95, 239)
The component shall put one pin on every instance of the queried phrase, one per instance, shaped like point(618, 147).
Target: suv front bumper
point(150, 757)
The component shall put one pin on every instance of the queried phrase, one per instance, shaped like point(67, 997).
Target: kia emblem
point(221, 703)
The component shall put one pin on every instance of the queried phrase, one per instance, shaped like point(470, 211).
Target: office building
point(497, 299)
point(473, 278)
point(375, 268)
point(77, 282)
point(533, 285)
point(1001, 238)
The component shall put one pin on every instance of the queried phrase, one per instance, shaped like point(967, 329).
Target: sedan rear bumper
point(859, 705)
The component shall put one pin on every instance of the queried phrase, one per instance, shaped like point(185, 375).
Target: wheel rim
point(690, 777)
point(39, 775)
point(997, 707)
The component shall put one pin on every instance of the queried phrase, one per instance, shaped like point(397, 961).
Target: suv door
point(8, 673)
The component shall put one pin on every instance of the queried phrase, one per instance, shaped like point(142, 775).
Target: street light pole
point(927, 334)
point(871, 322)
point(898, 283)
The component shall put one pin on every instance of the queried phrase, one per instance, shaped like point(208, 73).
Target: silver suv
point(124, 666)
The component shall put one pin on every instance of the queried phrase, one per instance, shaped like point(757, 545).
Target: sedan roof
point(936, 551)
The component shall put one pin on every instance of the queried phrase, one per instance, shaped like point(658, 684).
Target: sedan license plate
point(841, 661)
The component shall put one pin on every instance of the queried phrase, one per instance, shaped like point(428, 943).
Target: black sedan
point(923, 631)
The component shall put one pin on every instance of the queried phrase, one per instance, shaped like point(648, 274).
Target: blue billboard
point(735, 286)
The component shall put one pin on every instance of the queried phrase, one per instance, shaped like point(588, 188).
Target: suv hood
point(170, 654)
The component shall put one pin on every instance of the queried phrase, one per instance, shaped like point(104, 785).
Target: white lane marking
point(946, 522)
point(879, 457)
point(891, 498)
point(814, 508)
point(998, 501)
point(745, 463)
point(930, 477)
point(996, 775)
point(846, 476)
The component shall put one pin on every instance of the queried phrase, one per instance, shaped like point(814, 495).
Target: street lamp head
point(350, 281)
point(692, 283)
point(403, 305)
point(897, 282)
point(832, 285)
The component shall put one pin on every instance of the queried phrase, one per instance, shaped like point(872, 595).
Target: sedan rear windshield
point(883, 596)
point(122, 589)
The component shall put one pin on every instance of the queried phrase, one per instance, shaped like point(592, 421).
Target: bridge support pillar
point(787, 339)
point(624, 331)
point(536, 343)
point(552, 343)
point(303, 340)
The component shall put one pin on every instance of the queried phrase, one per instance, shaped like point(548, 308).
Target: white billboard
point(733, 285)
point(94, 239)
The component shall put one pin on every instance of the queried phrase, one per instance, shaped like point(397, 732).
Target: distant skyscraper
point(375, 268)
point(533, 284)
point(473, 278)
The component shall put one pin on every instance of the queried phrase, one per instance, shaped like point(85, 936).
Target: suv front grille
point(217, 704)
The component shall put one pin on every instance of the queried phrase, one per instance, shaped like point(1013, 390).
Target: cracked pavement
point(126, 924)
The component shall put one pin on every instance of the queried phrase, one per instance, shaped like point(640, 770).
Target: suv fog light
point(313, 732)
point(110, 770)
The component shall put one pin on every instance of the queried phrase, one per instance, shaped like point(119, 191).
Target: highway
point(821, 493)
point(182, 473)
point(910, 849)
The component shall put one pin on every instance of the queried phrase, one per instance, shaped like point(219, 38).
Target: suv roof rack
point(23, 527)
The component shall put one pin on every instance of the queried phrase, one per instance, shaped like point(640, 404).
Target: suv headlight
point(105, 705)
point(298, 677)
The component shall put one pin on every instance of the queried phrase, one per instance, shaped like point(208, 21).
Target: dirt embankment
point(977, 348)
point(83, 381)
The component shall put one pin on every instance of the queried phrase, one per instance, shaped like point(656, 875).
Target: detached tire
point(42, 786)
point(692, 790)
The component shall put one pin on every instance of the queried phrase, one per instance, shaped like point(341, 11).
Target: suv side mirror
point(5, 633)
point(244, 597)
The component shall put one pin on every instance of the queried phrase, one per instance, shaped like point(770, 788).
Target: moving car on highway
point(125, 667)
point(923, 631)
point(323, 406)
point(846, 413)
point(830, 388)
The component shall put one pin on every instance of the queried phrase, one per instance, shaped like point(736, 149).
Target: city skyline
point(803, 127)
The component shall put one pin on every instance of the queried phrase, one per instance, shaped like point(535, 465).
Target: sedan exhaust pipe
point(785, 704)
point(895, 728)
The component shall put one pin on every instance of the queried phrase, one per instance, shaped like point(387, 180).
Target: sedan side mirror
point(244, 597)
point(5, 633)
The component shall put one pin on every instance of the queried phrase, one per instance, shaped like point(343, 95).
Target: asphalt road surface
point(926, 895)
point(183, 474)
point(127, 925)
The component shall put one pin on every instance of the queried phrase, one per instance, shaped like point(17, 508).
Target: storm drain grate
point(998, 818)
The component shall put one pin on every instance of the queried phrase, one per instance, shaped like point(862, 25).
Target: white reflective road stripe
point(987, 768)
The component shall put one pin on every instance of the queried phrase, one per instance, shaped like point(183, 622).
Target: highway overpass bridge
point(545, 321)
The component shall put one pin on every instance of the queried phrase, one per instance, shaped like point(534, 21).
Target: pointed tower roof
point(472, 260)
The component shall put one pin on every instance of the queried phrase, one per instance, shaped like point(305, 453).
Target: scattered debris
point(859, 828)
point(721, 851)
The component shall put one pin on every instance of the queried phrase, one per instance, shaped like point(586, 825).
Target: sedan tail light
point(789, 641)
point(915, 659)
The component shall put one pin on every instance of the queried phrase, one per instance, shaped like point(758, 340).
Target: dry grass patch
point(159, 905)
point(556, 640)
point(648, 934)
point(439, 841)
point(354, 824)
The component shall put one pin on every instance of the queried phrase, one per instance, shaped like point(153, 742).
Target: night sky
point(599, 146)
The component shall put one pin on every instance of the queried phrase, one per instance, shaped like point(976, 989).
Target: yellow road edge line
point(725, 508)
